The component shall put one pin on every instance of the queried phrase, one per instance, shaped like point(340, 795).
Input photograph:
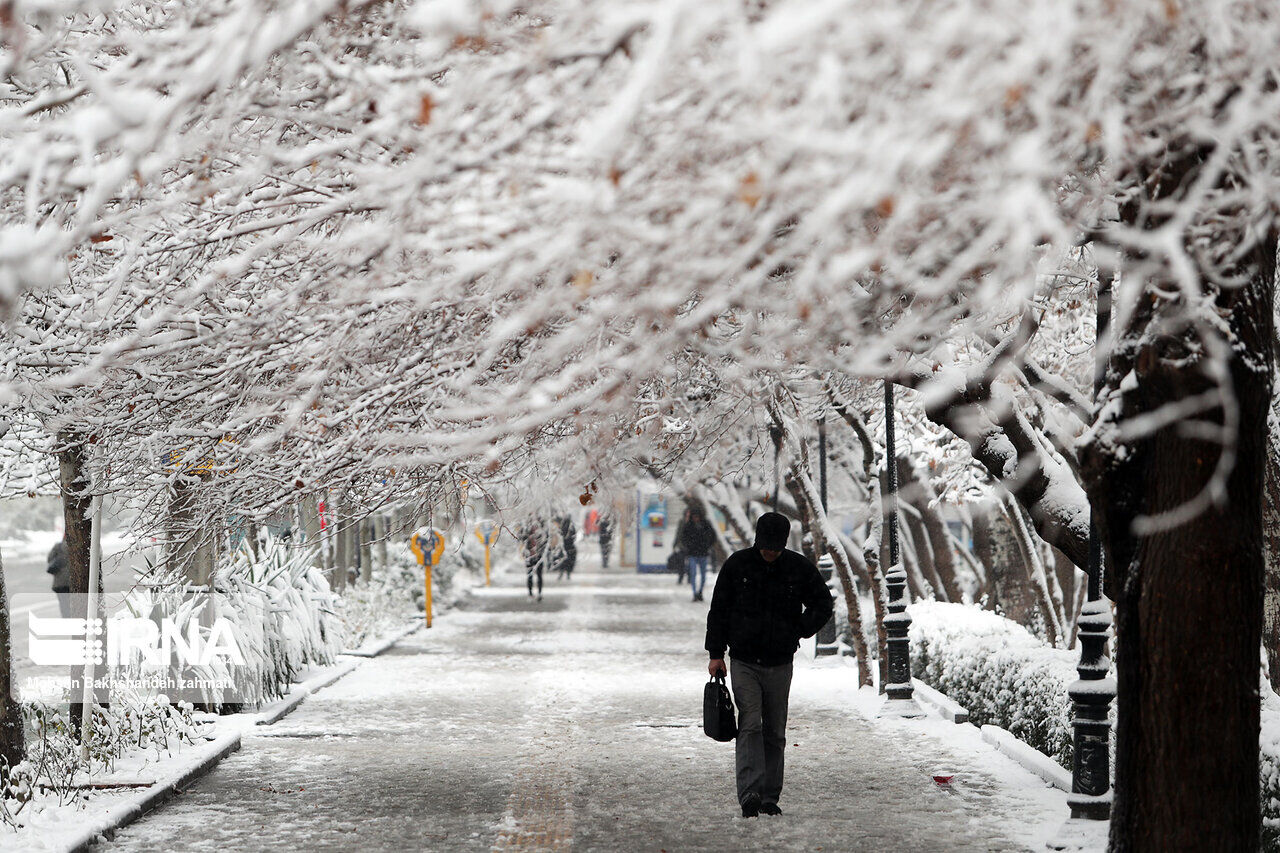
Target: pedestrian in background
point(535, 542)
point(605, 535)
point(677, 560)
point(568, 547)
point(60, 568)
point(766, 599)
point(697, 539)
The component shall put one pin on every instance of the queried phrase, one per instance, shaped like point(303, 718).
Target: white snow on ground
point(574, 724)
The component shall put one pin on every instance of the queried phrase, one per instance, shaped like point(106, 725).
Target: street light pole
point(775, 435)
point(901, 701)
point(822, 461)
point(827, 642)
point(1091, 694)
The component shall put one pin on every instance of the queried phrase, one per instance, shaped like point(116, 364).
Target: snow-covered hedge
point(997, 669)
point(1007, 677)
point(131, 727)
point(286, 617)
point(285, 620)
point(1269, 767)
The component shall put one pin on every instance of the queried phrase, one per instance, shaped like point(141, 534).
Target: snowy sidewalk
point(574, 724)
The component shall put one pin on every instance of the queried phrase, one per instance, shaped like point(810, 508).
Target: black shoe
point(771, 808)
point(751, 806)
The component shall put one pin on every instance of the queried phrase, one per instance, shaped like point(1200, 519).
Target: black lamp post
point(827, 640)
point(1091, 695)
point(775, 435)
point(901, 701)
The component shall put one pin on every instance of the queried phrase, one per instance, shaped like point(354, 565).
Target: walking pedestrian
point(605, 536)
point(677, 560)
point(697, 538)
point(568, 547)
point(535, 542)
point(766, 599)
point(60, 568)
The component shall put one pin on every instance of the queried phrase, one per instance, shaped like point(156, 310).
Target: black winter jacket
point(760, 611)
point(697, 538)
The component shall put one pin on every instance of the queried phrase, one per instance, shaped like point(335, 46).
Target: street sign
point(487, 532)
point(427, 544)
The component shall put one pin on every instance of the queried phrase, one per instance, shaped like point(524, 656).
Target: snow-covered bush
point(128, 726)
point(998, 670)
point(391, 599)
point(283, 615)
point(1269, 767)
point(286, 617)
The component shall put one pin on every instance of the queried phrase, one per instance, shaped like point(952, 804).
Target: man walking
point(766, 599)
point(697, 538)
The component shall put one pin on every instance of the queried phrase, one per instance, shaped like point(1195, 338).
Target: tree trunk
point(1188, 588)
point(383, 533)
point(12, 747)
point(365, 532)
point(1033, 565)
point(341, 549)
point(191, 548)
point(923, 547)
point(923, 498)
point(310, 514)
point(996, 544)
point(74, 487)
point(1271, 542)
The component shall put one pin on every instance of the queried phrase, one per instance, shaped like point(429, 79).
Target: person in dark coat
point(765, 601)
point(605, 535)
point(535, 541)
point(568, 547)
point(697, 539)
point(678, 560)
point(60, 568)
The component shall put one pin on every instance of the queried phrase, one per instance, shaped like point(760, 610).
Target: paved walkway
point(573, 724)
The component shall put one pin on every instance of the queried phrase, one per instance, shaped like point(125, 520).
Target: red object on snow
point(943, 780)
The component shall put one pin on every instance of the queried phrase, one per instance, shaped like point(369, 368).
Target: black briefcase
point(717, 711)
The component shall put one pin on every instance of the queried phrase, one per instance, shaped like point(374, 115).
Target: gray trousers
point(761, 694)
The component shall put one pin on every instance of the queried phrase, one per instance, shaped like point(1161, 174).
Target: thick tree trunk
point(996, 544)
point(1271, 541)
point(191, 549)
point(1188, 588)
point(12, 746)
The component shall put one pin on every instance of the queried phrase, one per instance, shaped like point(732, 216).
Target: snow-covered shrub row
point(286, 617)
point(1269, 767)
point(283, 614)
point(129, 727)
point(393, 598)
point(997, 669)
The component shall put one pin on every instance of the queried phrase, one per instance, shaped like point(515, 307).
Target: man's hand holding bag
point(718, 719)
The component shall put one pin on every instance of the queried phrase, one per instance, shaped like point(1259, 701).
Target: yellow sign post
point(487, 532)
point(427, 545)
